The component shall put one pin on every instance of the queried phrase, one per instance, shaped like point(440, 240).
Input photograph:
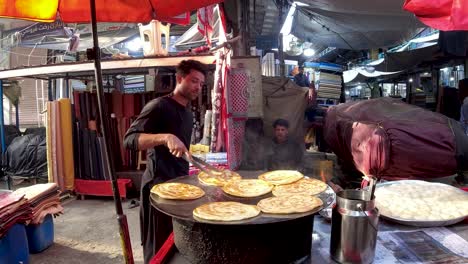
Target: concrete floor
point(87, 232)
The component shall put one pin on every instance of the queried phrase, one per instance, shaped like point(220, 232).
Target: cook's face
point(281, 133)
point(191, 84)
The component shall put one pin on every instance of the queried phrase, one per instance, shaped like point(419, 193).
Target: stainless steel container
point(354, 227)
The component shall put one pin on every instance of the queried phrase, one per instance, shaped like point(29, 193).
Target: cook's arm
point(139, 137)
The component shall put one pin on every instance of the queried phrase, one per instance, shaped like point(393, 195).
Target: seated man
point(285, 154)
point(301, 79)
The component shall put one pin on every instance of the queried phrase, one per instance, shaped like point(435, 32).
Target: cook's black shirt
point(160, 116)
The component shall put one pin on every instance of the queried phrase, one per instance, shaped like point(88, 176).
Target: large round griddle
point(183, 210)
point(264, 239)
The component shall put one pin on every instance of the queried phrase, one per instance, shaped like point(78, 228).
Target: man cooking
point(285, 153)
point(164, 128)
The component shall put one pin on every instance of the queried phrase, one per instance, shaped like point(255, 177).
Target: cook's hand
point(175, 146)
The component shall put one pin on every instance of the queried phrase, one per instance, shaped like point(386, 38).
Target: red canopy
point(446, 15)
point(78, 11)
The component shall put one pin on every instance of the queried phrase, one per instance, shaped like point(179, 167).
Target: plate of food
point(420, 203)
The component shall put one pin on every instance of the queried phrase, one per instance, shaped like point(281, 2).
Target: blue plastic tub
point(41, 236)
point(14, 246)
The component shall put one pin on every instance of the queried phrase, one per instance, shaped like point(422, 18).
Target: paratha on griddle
point(281, 177)
point(177, 191)
point(289, 204)
point(220, 178)
point(226, 211)
point(304, 186)
point(248, 188)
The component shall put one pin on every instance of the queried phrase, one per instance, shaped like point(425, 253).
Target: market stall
point(307, 237)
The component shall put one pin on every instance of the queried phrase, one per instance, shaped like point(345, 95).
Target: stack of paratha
point(177, 191)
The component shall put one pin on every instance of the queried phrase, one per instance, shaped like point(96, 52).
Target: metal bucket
point(354, 227)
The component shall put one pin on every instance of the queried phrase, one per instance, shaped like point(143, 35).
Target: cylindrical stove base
point(282, 242)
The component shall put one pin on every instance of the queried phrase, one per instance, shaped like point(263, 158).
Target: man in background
point(285, 154)
point(301, 79)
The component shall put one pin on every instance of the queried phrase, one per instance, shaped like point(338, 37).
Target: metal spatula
point(202, 165)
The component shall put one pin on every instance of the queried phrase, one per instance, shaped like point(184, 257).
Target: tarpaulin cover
point(447, 15)
point(394, 140)
point(355, 24)
point(78, 11)
point(26, 156)
point(284, 99)
point(11, 132)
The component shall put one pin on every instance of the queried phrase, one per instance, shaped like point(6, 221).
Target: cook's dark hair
point(184, 67)
point(281, 122)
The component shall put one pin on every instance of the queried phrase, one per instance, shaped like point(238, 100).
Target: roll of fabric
point(76, 102)
point(58, 146)
point(67, 143)
point(128, 105)
point(117, 103)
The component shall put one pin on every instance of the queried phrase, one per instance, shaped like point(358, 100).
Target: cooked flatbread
point(226, 211)
point(177, 191)
point(281, 177)
point(219, 178)
point(248, 188)
point(421, 201)
point(289, 204)
point(304, 186)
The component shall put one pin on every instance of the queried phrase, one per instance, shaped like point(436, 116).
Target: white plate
point(421, 223)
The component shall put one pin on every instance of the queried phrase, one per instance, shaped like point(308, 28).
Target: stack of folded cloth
point(43, 199)
point(14, 208)
point(219, 158)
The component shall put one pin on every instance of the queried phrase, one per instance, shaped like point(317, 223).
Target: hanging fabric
point(237, 104)
point(216, 99)
point(205, 21)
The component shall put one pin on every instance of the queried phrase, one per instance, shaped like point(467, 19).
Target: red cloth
point(129, 105)
point(76, 102)
point(391, 139)
point(117, 103)
point(446, 15)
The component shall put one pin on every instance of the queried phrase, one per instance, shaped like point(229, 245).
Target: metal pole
point(121, 217)
point(466, 68)
point(2, 129)
point(282, 70)
point(49, 90)
point(67, 91)
point(17, 114)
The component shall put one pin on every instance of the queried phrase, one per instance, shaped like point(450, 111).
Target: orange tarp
point(78, 11)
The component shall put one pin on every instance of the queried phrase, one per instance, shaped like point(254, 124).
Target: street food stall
point(307, 237)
